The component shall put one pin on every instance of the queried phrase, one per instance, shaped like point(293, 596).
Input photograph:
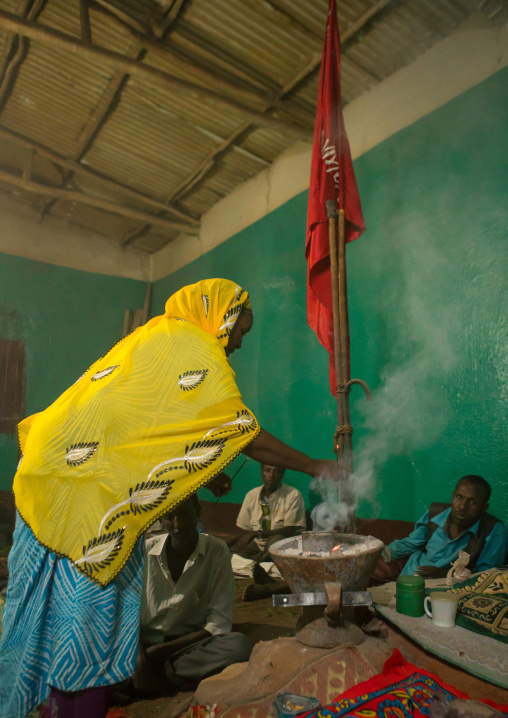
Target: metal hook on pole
point(343, 392)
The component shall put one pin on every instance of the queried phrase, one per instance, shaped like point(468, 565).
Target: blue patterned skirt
point(61, 629)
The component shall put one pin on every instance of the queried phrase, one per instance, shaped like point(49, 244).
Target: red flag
point(331, 178)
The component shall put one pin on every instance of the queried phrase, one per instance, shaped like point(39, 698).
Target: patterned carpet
point(483, 603)
point(403, 690)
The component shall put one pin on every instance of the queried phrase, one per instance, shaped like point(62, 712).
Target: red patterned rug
point(402, 690)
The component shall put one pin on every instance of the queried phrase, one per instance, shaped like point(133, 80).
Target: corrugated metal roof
point(188, 145)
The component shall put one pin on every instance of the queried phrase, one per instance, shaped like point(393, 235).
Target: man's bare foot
point(147, 681)
point(260, 576)
point(146, 684)
point(256, 592)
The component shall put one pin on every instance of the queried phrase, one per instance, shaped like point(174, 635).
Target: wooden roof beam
point(74, 166)
point(98, 203)
point(346, 37)
point(172, 16)
point(135, 68)
point(11, 40)
point(108, 103)
point(11, 71)
point(84, 17)
point(96, 120)
point(242, 90)
point(197, 127)
point(365, 18)
point(11, 63)
point(200, 172)
point(209, 162)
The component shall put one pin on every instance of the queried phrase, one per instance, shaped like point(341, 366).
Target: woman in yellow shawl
point(156, 418)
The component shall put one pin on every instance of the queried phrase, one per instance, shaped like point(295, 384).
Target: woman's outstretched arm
point(267, 449)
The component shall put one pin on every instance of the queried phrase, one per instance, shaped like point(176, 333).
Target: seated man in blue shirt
point(436, 540)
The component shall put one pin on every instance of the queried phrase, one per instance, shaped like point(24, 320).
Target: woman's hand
point(328, 469)
point(267, 449)
point(220, 485)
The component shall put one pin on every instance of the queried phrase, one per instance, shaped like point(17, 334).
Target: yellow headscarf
point(148, 424)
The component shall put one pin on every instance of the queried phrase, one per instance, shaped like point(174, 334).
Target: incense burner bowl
point(308, 562)
point(316, 559)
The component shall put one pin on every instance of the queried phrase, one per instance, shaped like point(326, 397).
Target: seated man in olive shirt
point(269, 513)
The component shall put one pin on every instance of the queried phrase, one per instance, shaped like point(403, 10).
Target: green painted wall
point(427, 296)
point(68, 319)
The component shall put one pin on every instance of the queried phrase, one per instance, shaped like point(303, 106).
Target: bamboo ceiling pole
point(73, 196)
point(135, 68)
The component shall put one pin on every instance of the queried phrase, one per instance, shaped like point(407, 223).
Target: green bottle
point(266, 522)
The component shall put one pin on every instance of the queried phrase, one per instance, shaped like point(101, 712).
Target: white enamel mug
point(444, 608)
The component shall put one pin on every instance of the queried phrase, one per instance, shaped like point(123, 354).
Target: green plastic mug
point(409, 595)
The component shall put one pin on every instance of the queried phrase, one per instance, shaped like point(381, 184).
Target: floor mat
point(472, 652)
point(324, 678)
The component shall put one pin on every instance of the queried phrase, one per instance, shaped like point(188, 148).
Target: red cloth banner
point(331, 178)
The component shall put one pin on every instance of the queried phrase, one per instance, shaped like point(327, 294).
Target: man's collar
point(159, 545)
point(441, 518)
point(443, 521)
point(274, 493)
point(201, 545)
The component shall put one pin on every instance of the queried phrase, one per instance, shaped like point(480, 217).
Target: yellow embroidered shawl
point(157, 417)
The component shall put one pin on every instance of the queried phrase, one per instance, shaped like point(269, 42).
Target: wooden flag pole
point(343, 440)
point(331, 213)
point(343, 384)
point(345, 361)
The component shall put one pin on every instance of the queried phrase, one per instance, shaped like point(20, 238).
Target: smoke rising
point(409, 409)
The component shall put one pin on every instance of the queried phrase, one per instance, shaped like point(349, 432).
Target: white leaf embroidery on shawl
point(231, 320)
point(199, 453)
point(79, 453)
point(165, 463)
point(202, 454)
point(98, 552)
point(192, 379)
point(146, 496)
point(104, 372)
point(244, 420)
